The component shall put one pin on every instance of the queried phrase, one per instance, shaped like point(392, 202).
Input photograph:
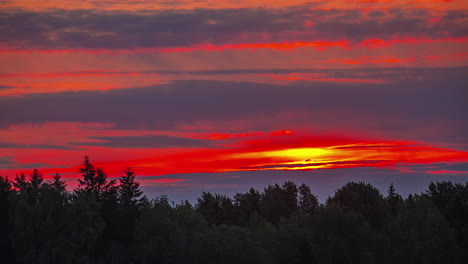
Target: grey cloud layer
point(119, 30)
point(31, 146)
point(420, 98)
point(148, 141)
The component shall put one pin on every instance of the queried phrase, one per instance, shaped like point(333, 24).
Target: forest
point(111, 221)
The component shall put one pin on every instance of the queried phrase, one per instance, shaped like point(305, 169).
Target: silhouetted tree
point(452, 201)
point(58, 184)
point(94, 182)
point(129, 201)
point(279, 202)
point(86, 229)
point(36, 179)
point(5, 188)
point(217, 209)
point(95, 186)
point(6, 251)
point(154, 240)
point(339, 235)
point(34, 186)
point(307, 201)
point(129, 190)
point(105, 223)
point(393, 200)
point(420, 234)
point(289, 193)
point(247, 204)
point(20, 183)
point(364, 199)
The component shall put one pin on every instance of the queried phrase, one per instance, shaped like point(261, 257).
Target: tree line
point(110, 221)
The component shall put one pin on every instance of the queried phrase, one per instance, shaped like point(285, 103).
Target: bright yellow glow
point(296, 154)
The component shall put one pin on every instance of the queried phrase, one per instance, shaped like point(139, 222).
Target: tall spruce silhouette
point(393, 200)
point(94, 182)
point(58, 184)
point(36, 179)
point(129, 189)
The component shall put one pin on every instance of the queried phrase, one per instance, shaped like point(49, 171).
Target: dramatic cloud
point(413, 98)
point(146, 142)
point(242, 28)
point(224, 95)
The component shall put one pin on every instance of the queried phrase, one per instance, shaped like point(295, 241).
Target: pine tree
point(129, 189)
point(20, 183)
point(5, 227)
point(391, 190)
point(34, 187)
point(87, 184)
point(36, 179)
point(58, 184)
point(5, 187)
point(393, 199)
point(103, 186)
point(94, 182)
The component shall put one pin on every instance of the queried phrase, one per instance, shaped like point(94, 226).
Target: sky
point(219, 96)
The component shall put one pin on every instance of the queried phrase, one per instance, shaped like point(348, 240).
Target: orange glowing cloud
point(379, 43)
point(75, 74)
point(375, 60)
point(285, 150)
point(284, 135)
point(280, 46)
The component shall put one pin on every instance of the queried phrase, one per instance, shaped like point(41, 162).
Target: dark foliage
point(362, 198)
point(104, 221)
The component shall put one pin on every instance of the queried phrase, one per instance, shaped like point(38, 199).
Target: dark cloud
point(5, 161)
point(32, 146)
point(418, 98)
point(393, 73)
point(9, 163)
point(171, 3)
point(65, 29)
point(148, 141)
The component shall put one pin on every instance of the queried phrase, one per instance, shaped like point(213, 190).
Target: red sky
point(189, 93)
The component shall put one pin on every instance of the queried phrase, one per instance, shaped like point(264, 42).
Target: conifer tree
point(58, 184)
point(88, 183)
point(20, 183)
point(94, 181)
point(34, 187)
point(5, 187)
point(5, 240)
point(393, 199)
point(36, 179)
point(129, 189)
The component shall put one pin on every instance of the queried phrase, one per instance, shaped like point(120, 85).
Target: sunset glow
point(194, 93)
